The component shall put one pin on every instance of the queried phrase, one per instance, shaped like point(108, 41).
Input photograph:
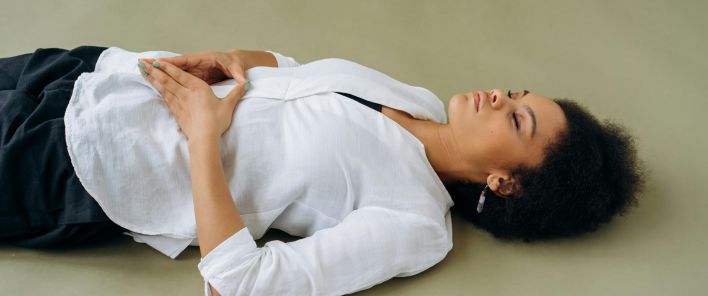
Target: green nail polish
point(156, 64)
point(247, 86)
point(141, 65)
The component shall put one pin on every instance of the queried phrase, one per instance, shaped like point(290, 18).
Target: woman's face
point(496, 131)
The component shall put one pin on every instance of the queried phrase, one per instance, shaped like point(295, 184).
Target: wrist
point(202, 139)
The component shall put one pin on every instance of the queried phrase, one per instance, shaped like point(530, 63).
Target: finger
point(175, 108)
point(162, 82)
point(173, 104)
point(165, 93)
point(237, 93)
point(183, 62)
point(183, 78)
point(238, 74)
point(171, 101)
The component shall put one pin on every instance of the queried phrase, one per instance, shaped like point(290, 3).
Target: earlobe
point(501, 186)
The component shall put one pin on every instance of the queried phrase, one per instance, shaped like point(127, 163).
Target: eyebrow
point(533, 116)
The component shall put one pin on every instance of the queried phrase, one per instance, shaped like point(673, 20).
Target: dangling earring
point(480, 205)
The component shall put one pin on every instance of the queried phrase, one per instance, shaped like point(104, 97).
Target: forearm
point(216, 214)
point(254, 58)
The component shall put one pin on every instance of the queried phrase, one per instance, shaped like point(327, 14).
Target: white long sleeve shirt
point(298, 157)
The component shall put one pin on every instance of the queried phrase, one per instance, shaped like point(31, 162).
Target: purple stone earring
point(480, 205)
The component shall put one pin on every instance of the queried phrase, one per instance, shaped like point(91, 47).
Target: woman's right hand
point(210, 66)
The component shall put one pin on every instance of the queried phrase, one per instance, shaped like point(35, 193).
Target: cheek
point(494, 145)
point(498, 144)
point(494, 133)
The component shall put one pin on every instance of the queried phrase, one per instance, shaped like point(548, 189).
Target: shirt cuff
point(283, 61)
point(225, 255)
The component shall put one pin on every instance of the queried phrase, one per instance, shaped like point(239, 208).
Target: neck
point(442, 151)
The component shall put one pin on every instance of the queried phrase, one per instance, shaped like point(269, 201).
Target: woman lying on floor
point(226, 145)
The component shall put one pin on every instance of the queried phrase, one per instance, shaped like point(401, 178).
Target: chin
point(457, 104)
point(459, 97)
point(456, 100)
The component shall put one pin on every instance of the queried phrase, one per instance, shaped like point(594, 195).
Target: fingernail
point(141, 65)
point(145, 74)
point(156, 64)
point(247, 86)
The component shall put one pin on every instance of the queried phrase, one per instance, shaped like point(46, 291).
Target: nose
point(498, 98)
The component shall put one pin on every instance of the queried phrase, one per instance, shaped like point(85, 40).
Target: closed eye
point(513, 115)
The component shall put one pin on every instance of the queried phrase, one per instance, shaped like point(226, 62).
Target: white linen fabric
point(298, 157)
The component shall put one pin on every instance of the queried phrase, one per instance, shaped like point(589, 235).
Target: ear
point(503, 185)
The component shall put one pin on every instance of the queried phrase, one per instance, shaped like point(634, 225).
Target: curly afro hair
point(589, 175)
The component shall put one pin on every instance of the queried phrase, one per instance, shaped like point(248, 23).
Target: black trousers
point(42, 202)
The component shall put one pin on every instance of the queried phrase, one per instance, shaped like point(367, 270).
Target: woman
point(363, 167)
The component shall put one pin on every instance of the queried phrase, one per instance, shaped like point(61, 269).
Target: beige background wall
point(642, 63)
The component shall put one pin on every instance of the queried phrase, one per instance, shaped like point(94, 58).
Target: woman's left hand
point(199, 113)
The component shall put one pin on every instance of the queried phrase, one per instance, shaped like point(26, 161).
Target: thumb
point(237, 74)
point(237, 93)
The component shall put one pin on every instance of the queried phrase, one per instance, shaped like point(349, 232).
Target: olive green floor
point(641, 63)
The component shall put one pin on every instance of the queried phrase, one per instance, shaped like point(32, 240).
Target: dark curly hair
point(590, 173)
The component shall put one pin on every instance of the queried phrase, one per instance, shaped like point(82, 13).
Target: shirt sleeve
point(370, 246)
point(283, 61)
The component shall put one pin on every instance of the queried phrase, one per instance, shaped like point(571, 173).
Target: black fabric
point(42, 202)
point(366, 103)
